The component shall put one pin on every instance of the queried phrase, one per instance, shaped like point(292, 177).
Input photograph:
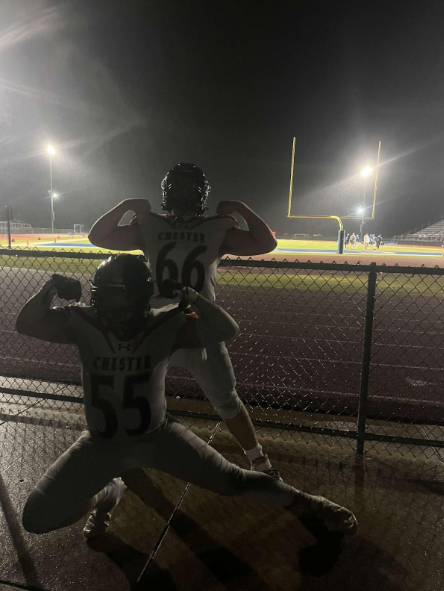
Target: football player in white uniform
point(124, 349)
point(185, 245)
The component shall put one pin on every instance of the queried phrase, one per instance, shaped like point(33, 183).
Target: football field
point(290, 248)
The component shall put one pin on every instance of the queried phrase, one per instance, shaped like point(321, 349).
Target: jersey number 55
point(129, 401)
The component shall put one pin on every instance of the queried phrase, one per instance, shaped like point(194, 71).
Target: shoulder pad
point(159, 312)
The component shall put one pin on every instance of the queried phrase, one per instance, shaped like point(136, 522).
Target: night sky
point(126, 89)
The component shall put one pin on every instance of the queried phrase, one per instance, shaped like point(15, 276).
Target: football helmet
point(185, 188)
point(121, 291)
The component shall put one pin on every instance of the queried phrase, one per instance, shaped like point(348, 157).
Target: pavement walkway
point(167, 535)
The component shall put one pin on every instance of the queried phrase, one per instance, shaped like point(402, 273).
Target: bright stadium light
point(55, 195)
point(360, 211)
point(366, 171)
point(51, 151)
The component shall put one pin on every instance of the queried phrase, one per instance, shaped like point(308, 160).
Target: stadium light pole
point(365, 172)
point(51, 151)
point(360, 211)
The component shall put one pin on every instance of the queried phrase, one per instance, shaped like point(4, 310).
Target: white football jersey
point(124, 381)
point(187, 252)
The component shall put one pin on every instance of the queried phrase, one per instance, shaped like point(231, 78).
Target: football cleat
point(334, 517)
point(185, 189)
point(100, 518)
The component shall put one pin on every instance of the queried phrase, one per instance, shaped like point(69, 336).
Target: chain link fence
point(354, 351)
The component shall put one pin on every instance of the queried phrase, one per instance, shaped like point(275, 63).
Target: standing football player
point(124, 349)
point(185, 245)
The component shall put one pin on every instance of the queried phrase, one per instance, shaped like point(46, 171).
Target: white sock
point(253, 454)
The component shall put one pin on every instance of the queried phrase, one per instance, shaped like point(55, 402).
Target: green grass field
point(27, 242)
point(82, 245)
point(350, 282)
point(305, 281)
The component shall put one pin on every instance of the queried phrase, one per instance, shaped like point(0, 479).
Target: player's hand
point(141, 208)
point(171, 289)
point(228, 207)
point(67, 287)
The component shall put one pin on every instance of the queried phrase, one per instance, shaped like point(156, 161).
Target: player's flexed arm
point(258, 239)
point(37, 319)
point(213, 324)
point(106, 232)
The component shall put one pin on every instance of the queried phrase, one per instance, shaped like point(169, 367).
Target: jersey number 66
point(190, 264)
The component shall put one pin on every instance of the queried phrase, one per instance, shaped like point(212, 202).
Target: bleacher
point(17, 227)
point(432, 235)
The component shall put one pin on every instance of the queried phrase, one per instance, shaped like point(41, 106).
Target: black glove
point(67, 288)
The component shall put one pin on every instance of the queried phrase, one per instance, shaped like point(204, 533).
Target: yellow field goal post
point(334, 217)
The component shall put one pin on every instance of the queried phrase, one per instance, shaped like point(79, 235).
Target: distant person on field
point(366, 241)
point(378, 241)
point(346, 241)
point(353, 241)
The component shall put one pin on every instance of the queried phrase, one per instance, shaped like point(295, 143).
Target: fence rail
point(354, 351)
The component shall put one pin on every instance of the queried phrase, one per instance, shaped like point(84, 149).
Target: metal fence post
point(9, 219)
point(366, 352)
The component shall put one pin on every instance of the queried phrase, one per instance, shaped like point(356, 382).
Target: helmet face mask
point(120, 293)
point(185, 189)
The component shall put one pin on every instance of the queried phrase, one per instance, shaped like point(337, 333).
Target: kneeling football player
point(124, 348)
